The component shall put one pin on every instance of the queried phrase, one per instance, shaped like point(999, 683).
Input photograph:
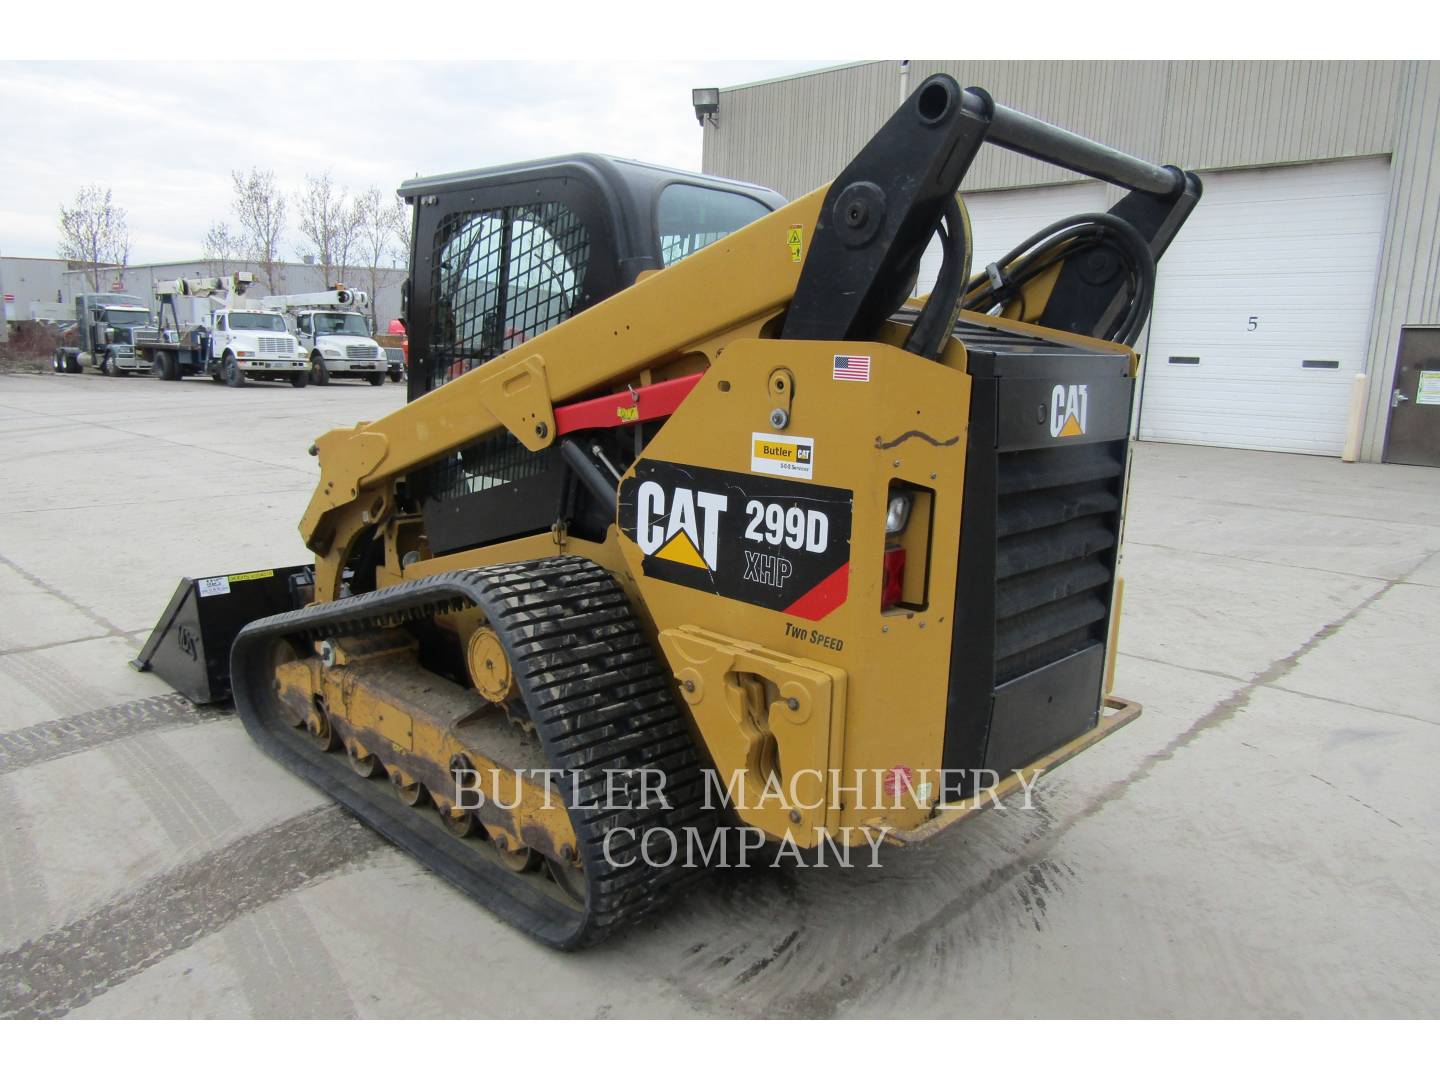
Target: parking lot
point(1261, 842)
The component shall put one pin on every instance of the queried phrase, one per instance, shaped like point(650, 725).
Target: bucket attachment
point(190, 645)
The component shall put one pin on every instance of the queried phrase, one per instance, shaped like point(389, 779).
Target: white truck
point(229, 338)
point(246, 343)
point(336, 340)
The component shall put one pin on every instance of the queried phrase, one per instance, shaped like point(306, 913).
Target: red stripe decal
point(646, 403)
point(824, 597)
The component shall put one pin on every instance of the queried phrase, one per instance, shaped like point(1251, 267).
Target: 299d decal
point(778, 544)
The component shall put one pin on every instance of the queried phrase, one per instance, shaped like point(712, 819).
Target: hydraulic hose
point(1064, 239)
point(936, 321)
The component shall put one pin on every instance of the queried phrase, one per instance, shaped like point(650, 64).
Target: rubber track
point(599, 700)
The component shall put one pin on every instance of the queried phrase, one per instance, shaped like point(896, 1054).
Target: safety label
point(795, 238)
point(253, 575)
point(213, 586)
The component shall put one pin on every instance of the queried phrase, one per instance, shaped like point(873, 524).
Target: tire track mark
point(67, 967)
point(24, 900)
point(286, 970)
point(84, 731)
point(50, 682)
point(188, 808)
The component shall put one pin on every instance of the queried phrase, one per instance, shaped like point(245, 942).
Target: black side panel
point(1044, 485)
point(1045, 709)
point(493, 490)
point(972, 652)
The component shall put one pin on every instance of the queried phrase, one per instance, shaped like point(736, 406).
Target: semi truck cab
point(106, 326)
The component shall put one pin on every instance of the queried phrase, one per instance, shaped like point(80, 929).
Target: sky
point(166, 146)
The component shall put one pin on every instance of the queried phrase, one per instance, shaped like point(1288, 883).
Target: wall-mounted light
point(706, 100)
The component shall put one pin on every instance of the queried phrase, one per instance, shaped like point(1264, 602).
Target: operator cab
point(500, 256)
point(503, 254)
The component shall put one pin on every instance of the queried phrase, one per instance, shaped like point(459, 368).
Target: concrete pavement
point(1261, 842)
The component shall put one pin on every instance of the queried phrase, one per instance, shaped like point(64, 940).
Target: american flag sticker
point(852, 368)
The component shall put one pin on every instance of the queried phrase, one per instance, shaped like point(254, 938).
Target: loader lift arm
point(868, 231)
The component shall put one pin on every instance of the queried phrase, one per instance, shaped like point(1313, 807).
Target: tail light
point(908, 509)
point(892, 591)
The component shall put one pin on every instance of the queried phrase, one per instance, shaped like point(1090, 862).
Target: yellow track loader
point(695, 521)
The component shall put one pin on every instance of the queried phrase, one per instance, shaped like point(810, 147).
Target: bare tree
point(222, 247)
point(93, 232)
point(404, 220)
point(378, 228)
point(330, 225)
point(260, 209)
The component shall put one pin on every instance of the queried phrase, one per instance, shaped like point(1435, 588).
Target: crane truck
point(222, 334)
point(335, 337)
point(681, 537)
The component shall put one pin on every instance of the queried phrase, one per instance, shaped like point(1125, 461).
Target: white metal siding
point(1296, 249)
point(797, 133)
point(999, 220)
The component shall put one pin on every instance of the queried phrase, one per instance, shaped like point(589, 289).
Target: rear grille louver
point(1057, 525)
point(1039, 540)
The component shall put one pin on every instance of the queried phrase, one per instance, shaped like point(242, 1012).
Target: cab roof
point(629, 189)
point(609, 171)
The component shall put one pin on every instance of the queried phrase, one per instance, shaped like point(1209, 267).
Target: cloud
point(165, 136)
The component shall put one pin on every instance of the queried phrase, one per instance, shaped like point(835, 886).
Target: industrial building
point(1312, 257)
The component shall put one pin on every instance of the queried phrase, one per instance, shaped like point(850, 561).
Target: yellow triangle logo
point(680, 548)
point(1072, 427)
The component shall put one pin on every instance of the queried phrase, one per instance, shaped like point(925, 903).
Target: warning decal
point(795, 238)
point(253, 575)
point(213, 586)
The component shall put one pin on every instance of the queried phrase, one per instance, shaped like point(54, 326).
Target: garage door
point(1262, 309)
point(1001, 219)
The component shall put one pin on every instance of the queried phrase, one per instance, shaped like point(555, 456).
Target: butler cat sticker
point(774, 543)
point(782, 455)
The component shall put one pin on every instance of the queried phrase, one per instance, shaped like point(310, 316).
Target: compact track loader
point(691, 497)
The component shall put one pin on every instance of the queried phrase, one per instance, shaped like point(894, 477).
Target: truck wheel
point(233, 375)
point(319, 373)
point(376, 380)
point(395, 376)
point(300, 379)
point(169, 366)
